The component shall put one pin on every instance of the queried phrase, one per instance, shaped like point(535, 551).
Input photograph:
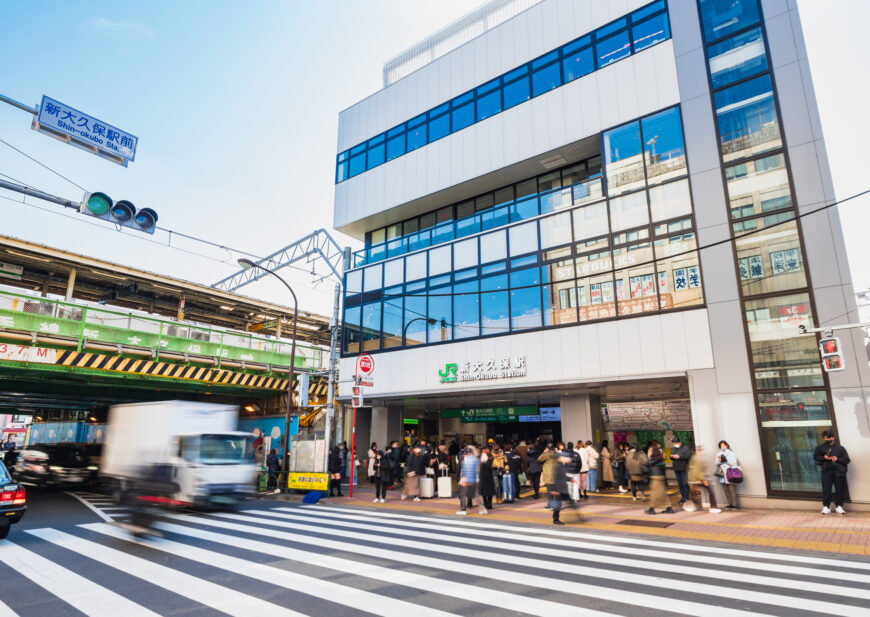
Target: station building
point(603, 220)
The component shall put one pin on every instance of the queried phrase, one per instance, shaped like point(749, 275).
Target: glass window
point(353, 282)
point(465, 254)
point(394, 273)
point(610, 28)
point(546, 78)
point(439, 260)
point(556, 200)
point(635, 279)
point(439, 127)
point(516, 92)
point(415, 266)
point(410, 226)
point(556, 230)
point(639, 14)
point(394, 231)
point(350, 329)
point(495, 318)
point(466, 310)
point(376, 155)
point(524, 238)
point(679, 276)
point(595, 297)
point(781, 357)
point(378, 235)
point(357, 164)
point(758, 186)
point(574, 174)
point(341, 172)
point(550, 181)
point(748, 123)
point(462, 116)
point(525, 298)
point(737, 58)
point(525, 209)
point(442, 233)
point(392, 326)
point(668, 201)
point(493, 247)
point(559, 297)
point(722, 17)
point(578, 63)
point(501, 196)
point(441, 312)
point(583, 192)
point(495, 217)
point(652, 31)
point(374, 278)
point(371, 326)
point(590, 221)
point(624, 164)
point(417, 136)
point(770, 259)
point(395, 147)
point(612, 49)
point(791, 427)
point(488, 100)
point(664, 154)
point(629, 211)
point(415, 319)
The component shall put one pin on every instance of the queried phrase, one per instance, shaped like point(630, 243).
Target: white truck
point(189, 450)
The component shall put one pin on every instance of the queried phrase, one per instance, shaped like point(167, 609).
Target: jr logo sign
point(449, 373)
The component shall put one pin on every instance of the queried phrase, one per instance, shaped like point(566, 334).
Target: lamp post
point(247, 264)
point(430, 321)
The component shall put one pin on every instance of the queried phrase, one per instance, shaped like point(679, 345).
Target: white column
point(70, 284)
point(379, 426)
point(576, 418)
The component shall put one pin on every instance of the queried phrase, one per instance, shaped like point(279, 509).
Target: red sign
point(365, 365)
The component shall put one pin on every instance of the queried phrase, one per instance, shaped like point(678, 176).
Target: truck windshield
point(223, 449)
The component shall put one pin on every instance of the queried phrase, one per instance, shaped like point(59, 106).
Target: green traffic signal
point(98, 204)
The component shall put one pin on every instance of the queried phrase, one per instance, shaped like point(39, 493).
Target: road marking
point(205, 592)
point(5, 611)
point(498, 574)
point(91, 507)
point(86, 596)
point(473, 593)
point(340, 594)
point(599, 569)
point(541, 530)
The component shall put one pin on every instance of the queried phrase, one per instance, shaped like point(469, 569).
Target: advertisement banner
point(305, 481)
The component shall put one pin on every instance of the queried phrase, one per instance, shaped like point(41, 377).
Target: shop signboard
point(307, 481)
point(504, 367)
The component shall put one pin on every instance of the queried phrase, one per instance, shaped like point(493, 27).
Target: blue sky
point(236, 109)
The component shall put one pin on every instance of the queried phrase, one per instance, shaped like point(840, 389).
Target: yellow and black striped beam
point(166, 370)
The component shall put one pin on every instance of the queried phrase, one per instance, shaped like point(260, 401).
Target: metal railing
point(86, 323)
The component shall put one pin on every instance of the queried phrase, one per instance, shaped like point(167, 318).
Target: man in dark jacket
point(558, 490)
point(273, 465)
point(680, 455)
point(535, 468)
point(834, 460)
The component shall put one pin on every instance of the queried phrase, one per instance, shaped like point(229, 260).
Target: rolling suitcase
point(445, 486)
point(427, 488)
point(508, 486)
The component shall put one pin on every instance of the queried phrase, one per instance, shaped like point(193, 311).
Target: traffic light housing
point(123, 212)
point(832, 354)
point(357, 400)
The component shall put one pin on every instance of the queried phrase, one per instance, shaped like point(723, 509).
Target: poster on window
point(607, 292)
point(636, 286)
point(681, 282)
point(694, 277)
point(663, 282)
point(595, 292)
point(581, 295)
point(649, 286)
point(751, 267)
point(788, 260)
point(620, 289)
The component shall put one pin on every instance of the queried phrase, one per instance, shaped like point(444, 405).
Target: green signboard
point(490, 414)
point(411, 421)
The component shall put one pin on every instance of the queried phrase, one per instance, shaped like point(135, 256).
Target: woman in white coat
point(592, 476)
point(584, 468)
point(726, 458)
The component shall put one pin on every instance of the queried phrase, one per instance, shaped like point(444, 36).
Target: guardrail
point(85, 323)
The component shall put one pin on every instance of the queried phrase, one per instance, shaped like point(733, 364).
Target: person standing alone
point(680, 456)
point(834, 460)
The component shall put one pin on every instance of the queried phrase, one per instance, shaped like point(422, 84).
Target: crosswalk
point(102, 505)
point(317, 560)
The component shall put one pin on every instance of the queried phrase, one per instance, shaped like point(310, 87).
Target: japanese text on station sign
point(65, 119)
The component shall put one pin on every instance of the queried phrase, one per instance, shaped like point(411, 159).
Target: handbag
point(522, 478)
point(430, 471)
point(734, 474)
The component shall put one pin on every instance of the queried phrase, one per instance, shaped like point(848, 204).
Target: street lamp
point(247, 264)
point(428, 320)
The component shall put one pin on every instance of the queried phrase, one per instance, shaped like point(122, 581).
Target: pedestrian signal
point(357, 400)
point(122, 212)
point(832, 355)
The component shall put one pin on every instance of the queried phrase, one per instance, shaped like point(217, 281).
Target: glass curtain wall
point(791, 391)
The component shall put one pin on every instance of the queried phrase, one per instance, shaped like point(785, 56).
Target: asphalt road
point(69, 556)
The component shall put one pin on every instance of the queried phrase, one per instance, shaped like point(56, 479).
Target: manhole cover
point(637, 523)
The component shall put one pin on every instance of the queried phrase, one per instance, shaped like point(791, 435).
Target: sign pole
point(352, 454)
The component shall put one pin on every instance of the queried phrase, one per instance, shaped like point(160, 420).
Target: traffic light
point(357, 396)
point(832, 354)
point(122, 212)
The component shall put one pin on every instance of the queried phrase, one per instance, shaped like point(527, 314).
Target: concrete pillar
point(379, 432)
point(70, 284)
point(576, 417)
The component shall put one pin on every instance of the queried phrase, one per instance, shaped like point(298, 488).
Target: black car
point(12, 501)
point(54, 465)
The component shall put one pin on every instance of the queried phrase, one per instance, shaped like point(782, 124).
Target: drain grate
point(638, 523)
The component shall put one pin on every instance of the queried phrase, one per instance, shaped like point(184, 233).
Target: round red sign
point(365, 365)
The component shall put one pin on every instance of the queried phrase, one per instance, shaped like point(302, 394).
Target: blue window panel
point(462, 117)
point(519, 262)
point(393, 318)
point(605, 31)
point(747, 118)
point(462, 99)
point(466, 227)
point(419, 240)
point(417, 121)
point(398, 246)
point(575, 46)
point(488, 87)
point(516, 92)
point(442, 233)
point(437, 281)
point(545, 79)
point(441, 109)
point(415, 320)
point(371, 326)
point(720, 18)
point(518, 72)
point(357, 164)
point(376, 253)
point(466, 310)
point(439, 127)
point(495, 218)
point(525, 308)
point(376, 155)
point(350, 329)
point(498, 266)
point(416, 137)
point(341, 172)
point(649, 9)
point(612, 49)
point(488, 105)
point(440, 310)
point(663, 142)
point(396, 130)
point(358, 149)
point(525, 277)
point(464, 275)
point(493, 283)
point(343, 156)
point(495, 317)
point(736, 58)
point(395, 147)
point(374, 141)
point(545, 59)
point(578, 64)
point(525, 209)
point(652, 31)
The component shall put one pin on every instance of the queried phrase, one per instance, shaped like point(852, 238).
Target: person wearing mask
point(333, 466)
point(726, 458)
point(833, 460)
point(381, 466)
point(637, 465)
point(415, 468)
point(583, 476)
point(396, 460)
point(469, 473)
point(557, 489)
point(592, 476)
point(273, 466)
point(699, 478)
point(535, 467)
point(572, 473)
point(680, 458)
point(658, 482)
point(619, 462)
point(370, 466)
point(548, 466)
point(606, 466)
point(486, 481)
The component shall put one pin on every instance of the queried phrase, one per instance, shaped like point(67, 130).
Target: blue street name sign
point(86, 129)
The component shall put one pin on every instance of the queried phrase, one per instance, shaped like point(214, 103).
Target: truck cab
point(214, 469)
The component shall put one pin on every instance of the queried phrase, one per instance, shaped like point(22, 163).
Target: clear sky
point(236, 109)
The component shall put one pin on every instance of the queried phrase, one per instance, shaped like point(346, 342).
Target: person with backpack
point(658, 481)
point(833, 460)
point(726, 460)
point(469, 473)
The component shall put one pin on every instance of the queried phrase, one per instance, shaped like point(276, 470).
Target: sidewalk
point(617, 513)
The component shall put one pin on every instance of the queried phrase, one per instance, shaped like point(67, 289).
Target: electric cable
point(57, 173)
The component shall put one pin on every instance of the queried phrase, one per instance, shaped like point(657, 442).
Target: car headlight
point(92, 467)
point(53, 468)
